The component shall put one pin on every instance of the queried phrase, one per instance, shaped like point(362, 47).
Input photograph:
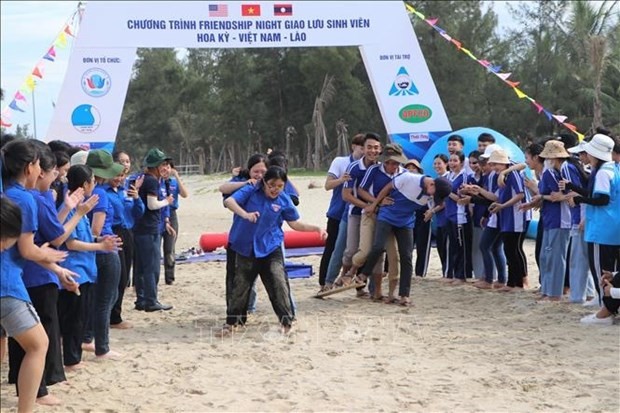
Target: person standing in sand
point(256, 239)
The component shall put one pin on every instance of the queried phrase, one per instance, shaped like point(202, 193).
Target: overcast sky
point(29, 28)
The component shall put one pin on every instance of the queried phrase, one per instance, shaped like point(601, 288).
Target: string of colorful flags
point(19, 101)
point(495, 69)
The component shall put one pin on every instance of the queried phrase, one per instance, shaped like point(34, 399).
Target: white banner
point(91, 100)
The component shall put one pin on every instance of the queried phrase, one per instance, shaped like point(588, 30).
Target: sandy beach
point(458, 349)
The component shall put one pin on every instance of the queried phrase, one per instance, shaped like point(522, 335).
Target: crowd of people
point(74, 224)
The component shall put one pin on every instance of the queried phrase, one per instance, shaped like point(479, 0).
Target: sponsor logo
point(403, 84)
point(415, 113)
point(96, 82)
point(418, 137)
point(85, 118)
point(275, 207)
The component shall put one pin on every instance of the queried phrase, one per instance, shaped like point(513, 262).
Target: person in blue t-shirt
point(147, 235)
point(421, 229)
point(256, 237)
point(108, 263)
point(408, 192)
point(438, 213)
point(512, 220)
point(256, 168)
point(20, 172)
point(74, 310)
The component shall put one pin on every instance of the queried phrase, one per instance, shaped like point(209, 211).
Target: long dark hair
point(10, 218)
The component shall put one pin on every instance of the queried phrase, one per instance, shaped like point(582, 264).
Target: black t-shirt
point(149, 222)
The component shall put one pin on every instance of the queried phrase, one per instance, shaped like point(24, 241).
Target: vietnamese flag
point(250, 10)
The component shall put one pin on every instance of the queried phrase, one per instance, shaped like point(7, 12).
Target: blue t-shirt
point(116, 197)
point(265, 236)
point(164, 192)
point(356, 170)
point(148, 223)
point(511, 219)
point(82, 263)
point(337, 205)
point(492, 185)
point(49, 229)
point(454, 212)
point(376, 178)
point(570, 173)
point(11, 261)
point(408, 195)
point(555, 215)
point(103, 205)
point(603, 222)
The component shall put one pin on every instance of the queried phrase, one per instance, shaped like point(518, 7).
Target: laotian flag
point(282, 9)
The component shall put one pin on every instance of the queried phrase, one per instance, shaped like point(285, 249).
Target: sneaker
point(592, 303)
point(594, 320)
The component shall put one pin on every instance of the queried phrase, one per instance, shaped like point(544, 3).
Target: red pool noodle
point(210, 241)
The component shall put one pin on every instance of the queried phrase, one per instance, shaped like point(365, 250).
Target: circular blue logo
point(85, 118)
point(96, 82)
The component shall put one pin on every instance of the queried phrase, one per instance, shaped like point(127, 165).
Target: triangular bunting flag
point(503, 76)
point(519, 93)
point(560, 118)
point(29, 83)
point(432, 21)
point(512, 84)
point(61, 40)
point(539, 108)
point(19, 96)
point(468, 53)
point(456, 43)
point(68, 30)
point(38, 70)
point(13, 105)
point(495, 69)
point(579, 136)
point(50, 55)
point(570, 126)
point(548, 114)
point(5, 124)
point(484, 63)
point(445, 36)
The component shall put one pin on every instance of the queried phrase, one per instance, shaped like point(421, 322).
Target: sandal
point(405, 302)
point(391, 300)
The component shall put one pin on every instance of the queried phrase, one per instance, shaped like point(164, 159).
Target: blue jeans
point(335, 262)
point(581, 283)
point(147, 268)
point(553, 261)
point(105, 295)
point(493, 257)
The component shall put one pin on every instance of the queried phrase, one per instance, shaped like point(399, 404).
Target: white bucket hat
point(579, 148)
point(488, 151)
point(600, 147)
point(79, 158)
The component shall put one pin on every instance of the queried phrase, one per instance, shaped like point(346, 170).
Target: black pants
point(613, 304)
point(459, 257)
point(332, 234)
point(128, 254)
point(72, 314)
point(602, 258)
point(45, 300)
point(539, 240)
point(127, 236)
point(230, 274)
point(422, 237)
point(169, 247)
point(515, 257)
point(273, 275)
point(442, 239)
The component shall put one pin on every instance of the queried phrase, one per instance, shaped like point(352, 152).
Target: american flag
point(218, 10)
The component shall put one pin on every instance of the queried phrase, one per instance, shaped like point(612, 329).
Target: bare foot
point(484, 285)
point(123, 325)
point(75, 367)
point(405, 302)
point(110, 355)
point(286, 330)
point(90, 347)
point(49, 400)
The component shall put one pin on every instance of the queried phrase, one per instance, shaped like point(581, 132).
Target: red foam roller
point(210, 241)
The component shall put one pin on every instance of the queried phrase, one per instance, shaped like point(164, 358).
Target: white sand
point(457, 350)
